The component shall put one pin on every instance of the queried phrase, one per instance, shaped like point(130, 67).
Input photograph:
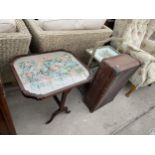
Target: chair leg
point(131, 90)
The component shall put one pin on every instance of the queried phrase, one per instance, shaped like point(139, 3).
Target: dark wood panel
point(3, 127)
point(6, 123)
point(111, 76)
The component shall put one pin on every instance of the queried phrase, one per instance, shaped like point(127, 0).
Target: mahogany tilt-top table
point(48, 74)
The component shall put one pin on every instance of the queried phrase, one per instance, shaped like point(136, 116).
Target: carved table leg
point(61, 105)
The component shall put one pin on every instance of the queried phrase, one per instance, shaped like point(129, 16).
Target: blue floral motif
point(55, 68)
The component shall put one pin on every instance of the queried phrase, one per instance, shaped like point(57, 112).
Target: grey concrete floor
point(133, 115)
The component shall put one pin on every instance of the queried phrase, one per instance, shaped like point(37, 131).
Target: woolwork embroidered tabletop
point(47, 74)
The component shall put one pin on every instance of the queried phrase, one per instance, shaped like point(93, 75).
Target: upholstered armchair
point(133, 36)
point(11, 45)
point(136, 36)
point(148, 43)
point(75, 40)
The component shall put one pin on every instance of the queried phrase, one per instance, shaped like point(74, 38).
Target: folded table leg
point(61, 104)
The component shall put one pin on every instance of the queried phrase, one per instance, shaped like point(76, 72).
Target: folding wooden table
point(47, 74)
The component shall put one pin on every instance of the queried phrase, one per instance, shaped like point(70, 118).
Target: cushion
point(71, 24)
point(135, 32)
point(150, 29)
point(119, 30)
point(7, 25)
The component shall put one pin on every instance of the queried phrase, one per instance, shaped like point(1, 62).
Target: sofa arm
point(101, 43)
point(22, 32)
point(143, 57)
point(12, 45)
point(149, 46)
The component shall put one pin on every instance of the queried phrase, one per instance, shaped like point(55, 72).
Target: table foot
point(61, 104)
point(65, 109)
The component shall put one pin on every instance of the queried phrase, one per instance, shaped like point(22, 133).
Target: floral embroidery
point(48, 72)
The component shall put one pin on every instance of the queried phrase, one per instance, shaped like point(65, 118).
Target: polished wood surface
point(6, 123)
point(111, 76)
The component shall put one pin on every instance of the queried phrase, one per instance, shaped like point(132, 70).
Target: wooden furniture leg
point(131, 90)
point(61, 105)
point(6, 122)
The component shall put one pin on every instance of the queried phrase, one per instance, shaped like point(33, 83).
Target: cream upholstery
point(71, 24)
point(120, 26)
point(149, 46)
point(132, 32)
point(136, 35)
point(151, 29)
point(148, 43)
point(7, 25)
